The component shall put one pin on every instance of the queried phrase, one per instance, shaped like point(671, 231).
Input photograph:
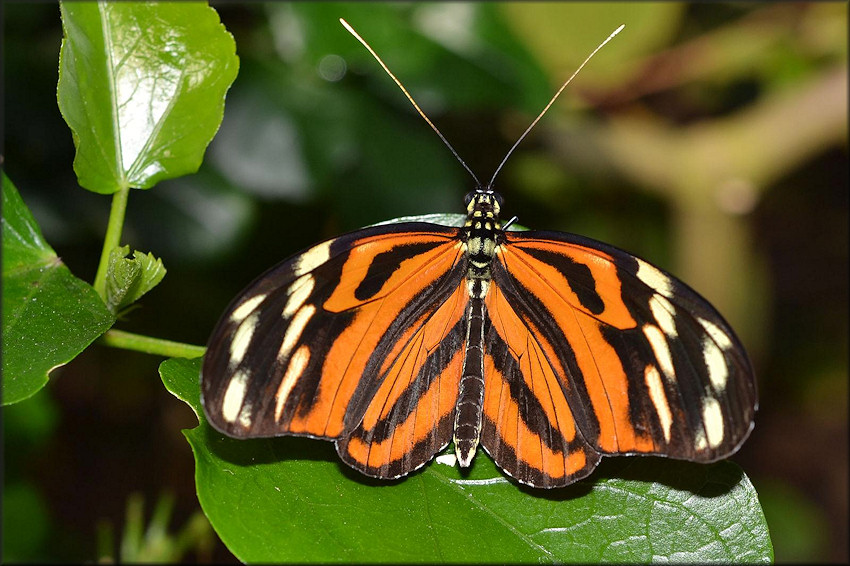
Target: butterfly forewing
point(305, 348)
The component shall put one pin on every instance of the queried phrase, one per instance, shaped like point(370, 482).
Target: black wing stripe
point(384, 265)
point(581, 279)
point(531, 411)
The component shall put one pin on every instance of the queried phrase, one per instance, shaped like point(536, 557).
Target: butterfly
point(547, 349)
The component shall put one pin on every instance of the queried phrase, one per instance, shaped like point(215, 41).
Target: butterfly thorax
point(482, 223)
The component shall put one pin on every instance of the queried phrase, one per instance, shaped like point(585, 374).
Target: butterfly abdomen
point(470, 401)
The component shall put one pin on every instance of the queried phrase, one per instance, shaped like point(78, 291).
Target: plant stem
point(112, 238)
point(148, 345)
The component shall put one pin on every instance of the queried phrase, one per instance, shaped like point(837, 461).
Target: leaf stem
point(149, 345)
point(112, 238)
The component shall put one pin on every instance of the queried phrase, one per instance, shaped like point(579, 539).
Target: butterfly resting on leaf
point(549, 350)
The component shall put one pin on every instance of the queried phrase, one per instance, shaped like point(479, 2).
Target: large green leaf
point(291, 499)
point(49, 316)
point(142, 86)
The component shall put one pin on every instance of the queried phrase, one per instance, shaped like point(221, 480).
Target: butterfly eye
point(468, 198)
point(498, 198)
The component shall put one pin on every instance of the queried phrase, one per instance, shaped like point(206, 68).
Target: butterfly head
point(483, 203)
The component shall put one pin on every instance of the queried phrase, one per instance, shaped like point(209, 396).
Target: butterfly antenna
point(554, 98)
point(410, 98)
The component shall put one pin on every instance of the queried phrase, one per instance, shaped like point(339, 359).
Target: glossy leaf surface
point(142, 85)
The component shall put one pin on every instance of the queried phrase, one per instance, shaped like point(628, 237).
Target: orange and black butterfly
point(550, 350)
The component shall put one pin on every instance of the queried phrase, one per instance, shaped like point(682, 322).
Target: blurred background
point(708, 138)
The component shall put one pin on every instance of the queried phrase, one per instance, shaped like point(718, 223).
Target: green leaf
point(49, 316)
point(142, 87)
point(128, 278)
point(291, 499)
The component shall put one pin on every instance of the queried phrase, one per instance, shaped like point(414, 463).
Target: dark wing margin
point(354, 339)
point(644, 364)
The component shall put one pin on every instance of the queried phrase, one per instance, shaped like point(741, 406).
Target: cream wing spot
point(662, 311)
point(245, 415)
point(661, 349)
point(312, 258)
point(715, 361)
point(659, 399)
point(712, 417)
point(243, 310)
point(234, 395)
point(700, 443)
point(242, 339)
point(293, 333)
point(720, 338)
point(297, 365)
point(654, 279)
point(302, 289)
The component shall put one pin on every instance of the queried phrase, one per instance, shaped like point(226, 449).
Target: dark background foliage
point(705, 138)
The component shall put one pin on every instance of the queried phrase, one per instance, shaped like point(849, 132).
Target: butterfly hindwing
point(409, 417)
point(529, 428)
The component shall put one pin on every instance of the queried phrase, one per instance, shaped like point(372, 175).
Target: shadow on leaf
point(706, 480)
